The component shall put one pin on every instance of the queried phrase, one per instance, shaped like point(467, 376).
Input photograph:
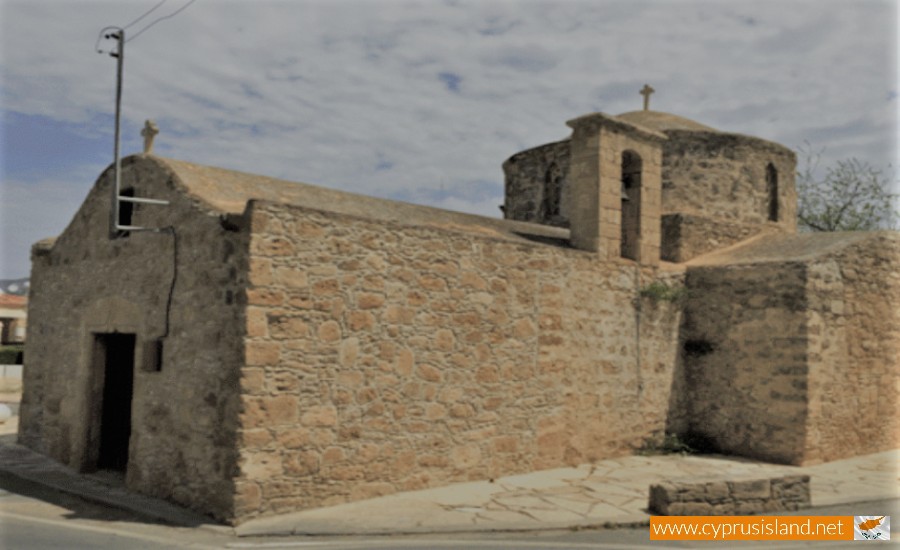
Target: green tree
point(851, 196)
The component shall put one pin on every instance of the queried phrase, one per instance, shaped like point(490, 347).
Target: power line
point(173, 14)
point(103, 34)
point(151, 10)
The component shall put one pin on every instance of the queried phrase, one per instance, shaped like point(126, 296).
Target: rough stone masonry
point(280, 346)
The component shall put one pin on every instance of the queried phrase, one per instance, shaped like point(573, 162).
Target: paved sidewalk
point(611, 492)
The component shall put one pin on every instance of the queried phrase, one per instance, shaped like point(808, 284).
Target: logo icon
point(871, 527)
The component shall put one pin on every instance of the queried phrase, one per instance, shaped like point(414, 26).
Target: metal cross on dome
point(646, 91)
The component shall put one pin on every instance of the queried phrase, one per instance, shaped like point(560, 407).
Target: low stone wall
point(722, 497)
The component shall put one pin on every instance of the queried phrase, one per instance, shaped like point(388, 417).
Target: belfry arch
point(630, 241)
point(772, 192)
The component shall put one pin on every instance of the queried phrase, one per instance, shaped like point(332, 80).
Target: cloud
point(531, 58)
point(32, 211)
point(396, 99)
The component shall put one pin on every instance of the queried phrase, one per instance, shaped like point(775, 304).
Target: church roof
point(782, 248)
point(229, 191)
point(659, 121)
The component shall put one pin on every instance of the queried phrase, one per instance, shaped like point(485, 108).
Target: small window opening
point(772, 192)
point(153, 356)
point(126, 210)
point(698, 348)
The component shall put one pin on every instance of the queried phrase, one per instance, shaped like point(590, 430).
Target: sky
point(419, 101)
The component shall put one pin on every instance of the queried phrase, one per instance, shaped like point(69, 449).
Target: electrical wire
point(151, 10)
point(101, 35)
point(171, 230)
point(173, 14)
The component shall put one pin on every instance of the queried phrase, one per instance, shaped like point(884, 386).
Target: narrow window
point(552, 193)
point(631, 205)
point(126, 210)
point(772, 192)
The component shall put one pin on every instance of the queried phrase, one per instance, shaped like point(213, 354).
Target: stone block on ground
point(714, 497)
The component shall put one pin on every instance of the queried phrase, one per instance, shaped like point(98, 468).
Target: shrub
point(660, 291)
point(670, 444)
point(12, 354)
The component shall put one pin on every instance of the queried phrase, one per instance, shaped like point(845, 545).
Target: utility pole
point(119, 54)
point(116, 197)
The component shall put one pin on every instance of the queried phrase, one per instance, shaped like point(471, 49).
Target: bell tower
point(616, 179)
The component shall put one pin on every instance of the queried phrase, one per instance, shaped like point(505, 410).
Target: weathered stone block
point(729, 497)
point(262, 353)
point(253, 381)
point(301, 463)
point(261, 465)
point(260, 271)
point(281, 409)
point(369, 301)
point(757, 488)
point(265, 296)
point(319, 416)
point(291, 277)
point(257, 322)
point(329, 331)
point(429, 373)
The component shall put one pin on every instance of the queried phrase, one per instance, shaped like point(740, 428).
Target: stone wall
point(854, 350)
point(686, 236)
point(744, 343)
point(795, 362)
point(723, 176)
point(383, 357)
point(533, 174)
point(183, 417)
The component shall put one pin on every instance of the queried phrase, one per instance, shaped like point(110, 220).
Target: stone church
point(274, 346)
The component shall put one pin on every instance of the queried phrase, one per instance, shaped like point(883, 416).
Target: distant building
point(279, 346)
point(19, 287)
point(13, 318)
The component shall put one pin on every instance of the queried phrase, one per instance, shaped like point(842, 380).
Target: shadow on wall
point(681, 422)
